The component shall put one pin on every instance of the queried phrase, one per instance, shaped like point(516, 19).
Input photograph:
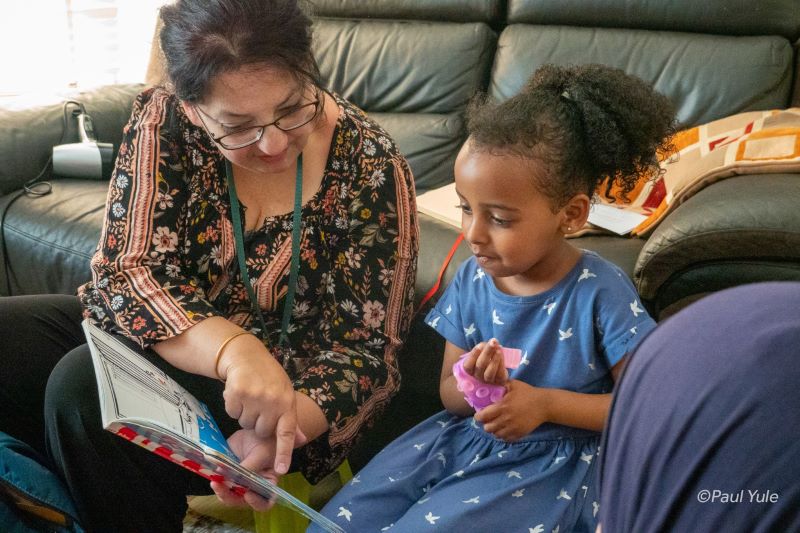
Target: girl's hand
point(520, 411)
point(256, 454)
point(486, 363)
point(260, 396)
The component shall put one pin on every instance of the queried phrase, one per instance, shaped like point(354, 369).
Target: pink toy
point(477, 393)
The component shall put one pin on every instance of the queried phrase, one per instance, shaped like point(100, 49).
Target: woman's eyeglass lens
point(290, 121)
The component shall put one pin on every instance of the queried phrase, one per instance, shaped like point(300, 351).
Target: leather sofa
point(413, 65)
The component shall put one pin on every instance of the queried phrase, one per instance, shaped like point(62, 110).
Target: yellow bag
point(281, 519)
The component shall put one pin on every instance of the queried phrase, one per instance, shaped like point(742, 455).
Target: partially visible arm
point(452, 398)
point(195, 351)
point(524, 408)
point(585, 411)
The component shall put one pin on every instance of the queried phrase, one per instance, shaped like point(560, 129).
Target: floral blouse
point(166, 261)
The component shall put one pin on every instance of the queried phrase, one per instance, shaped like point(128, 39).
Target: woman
point(702, 434)
point(245, 150)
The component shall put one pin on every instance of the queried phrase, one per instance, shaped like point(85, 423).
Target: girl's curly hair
point(584, 124)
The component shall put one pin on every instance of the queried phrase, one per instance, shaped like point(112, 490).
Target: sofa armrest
point(29, 132)
point(739, 221)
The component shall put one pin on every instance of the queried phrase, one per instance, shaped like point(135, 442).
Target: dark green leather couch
point(413, 65)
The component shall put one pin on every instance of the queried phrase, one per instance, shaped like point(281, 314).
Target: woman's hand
point(258, 455)
point(486, 363)
point(260, 396)
point(522, 409)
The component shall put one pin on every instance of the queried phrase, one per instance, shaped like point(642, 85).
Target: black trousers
point(48, 399)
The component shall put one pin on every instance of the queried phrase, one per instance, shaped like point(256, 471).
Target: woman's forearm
point(310, 417)
point(195, 349)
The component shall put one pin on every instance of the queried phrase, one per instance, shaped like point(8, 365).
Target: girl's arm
point(524, 408)
point(452, 398)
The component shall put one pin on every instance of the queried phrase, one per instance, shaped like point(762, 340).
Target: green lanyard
point(295, 264)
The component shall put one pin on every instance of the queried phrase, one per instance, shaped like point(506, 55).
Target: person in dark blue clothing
point(702, 435)
point(525, 179)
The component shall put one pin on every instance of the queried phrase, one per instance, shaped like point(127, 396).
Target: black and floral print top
point(166, 260)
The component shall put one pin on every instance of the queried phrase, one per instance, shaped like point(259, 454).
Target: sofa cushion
point(403, 73)
point(740, 222)
point(764, 17)
point(707, 76)
point(49, 240)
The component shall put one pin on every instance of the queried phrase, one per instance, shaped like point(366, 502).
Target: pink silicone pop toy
point(477, 393)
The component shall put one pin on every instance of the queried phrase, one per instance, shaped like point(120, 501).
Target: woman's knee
point(71, 394)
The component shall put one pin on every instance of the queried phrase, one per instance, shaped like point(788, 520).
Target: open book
point(140, 403)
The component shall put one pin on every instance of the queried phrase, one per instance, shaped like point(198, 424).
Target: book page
point(142, 404)
point(139, 390)
point(441, 204)
point(620, 221)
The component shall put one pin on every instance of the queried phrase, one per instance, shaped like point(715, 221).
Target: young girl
point(525, 178)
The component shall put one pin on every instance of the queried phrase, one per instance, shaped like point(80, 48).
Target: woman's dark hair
point(584, 124)
point(204, 38)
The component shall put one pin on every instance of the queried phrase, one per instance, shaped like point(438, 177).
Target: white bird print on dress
point(563, 495)
point(496, 318)
point(635, 308)
point(563, 335)
point(478, 274)
point(423, 500)
point(435, 322)
point(431, 519)
point(524, 360)
point(501, 453)
point(633, 330)
point(513, 473)
point(440, 456)
point(391, 479)
point(550, 307)
point(538, 529)
point(518, 493)
point(586, 275)
point(419, 446)
point(345, 513)
point(584, 488)
point(587, 457)
point(356, 479)
point(560, 458)
point(442, 423)
point(595, 508)
point(387, 528)
point(460, 473)
point(477, 458)
point(554, 531)
point(470, 330)
point(591, 366)
point(449, 309)
point(476, 499)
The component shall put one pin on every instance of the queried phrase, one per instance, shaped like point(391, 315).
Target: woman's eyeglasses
point(296, 118)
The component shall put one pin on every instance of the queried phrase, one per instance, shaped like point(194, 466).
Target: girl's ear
point(191, 114)
point(575, 213)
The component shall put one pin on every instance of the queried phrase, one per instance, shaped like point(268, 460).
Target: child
point(525, 178)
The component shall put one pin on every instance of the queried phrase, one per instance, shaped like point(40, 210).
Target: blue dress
point(447, 473)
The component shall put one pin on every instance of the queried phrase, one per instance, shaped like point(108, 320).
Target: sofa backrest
point(414, 75)
point(711, 58)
